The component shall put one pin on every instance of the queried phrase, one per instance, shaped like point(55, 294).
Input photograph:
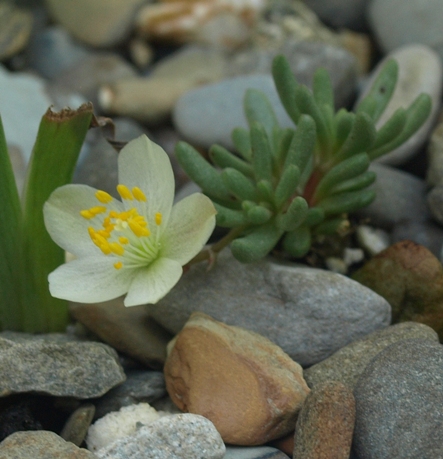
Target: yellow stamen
point(116, 248)
point(118, 265)
point(87, 214)
point(124, 192)
point(123, 240)
point(158, 218)
point(97, 210)
point(138, 194)
point(103, 197)
point(138, 230)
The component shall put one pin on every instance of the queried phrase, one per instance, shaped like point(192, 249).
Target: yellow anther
point(113, 214)
point(158, 218)
point(103, 197)
point(116, 248)
point(91, 232)
point(123, 240)
point(118, 265)
point(138, 230)
point(138, 194)
point(104, 247)
point(87, 214)
point(97, 210)
point(124, 192)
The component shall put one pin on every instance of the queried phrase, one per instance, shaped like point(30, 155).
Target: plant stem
point(209, 252)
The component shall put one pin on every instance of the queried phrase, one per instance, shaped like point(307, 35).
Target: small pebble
point(77, 425)
point(325, 424)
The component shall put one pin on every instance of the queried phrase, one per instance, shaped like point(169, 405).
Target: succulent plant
point(291, 185)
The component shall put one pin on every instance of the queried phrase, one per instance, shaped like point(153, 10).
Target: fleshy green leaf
point(322, 88)
point(345, 170)
point(416, 115)
point(259, 109)
point(261, 152)
point(286, 85)
point(229, 218)
point(257, 244)
point(298, 242)
point(242, 142)
point(360, 139)
point(287, 185)
point(294, 216)
point(381, 90)
point(391, 129)
point(224, 158)
point(258, 215)
point(201, 171)
point(354, 184)
point(346, 202)
point(59, 141)
point(239, 185)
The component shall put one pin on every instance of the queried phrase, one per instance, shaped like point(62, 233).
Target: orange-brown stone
point(246, 385)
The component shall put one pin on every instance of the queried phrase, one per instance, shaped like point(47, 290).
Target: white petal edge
point(191, 224)
point(144, 164)
point(64, 223)
point(89, 280)
point(152, 283)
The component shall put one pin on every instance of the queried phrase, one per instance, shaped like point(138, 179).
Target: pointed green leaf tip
point(56, 150)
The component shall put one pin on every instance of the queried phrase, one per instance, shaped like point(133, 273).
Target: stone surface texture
point(399, 400)
point(309, 313)
point(41, 444)
point(180, 436)
point(68, 369)
point(246, 385)
point(400, 196)
point(349, 362)
point(326, 423)
point(130, 330)
point(410, 278)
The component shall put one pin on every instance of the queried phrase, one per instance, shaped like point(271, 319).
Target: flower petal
point(64, 223)
point(89, 280)
point(191, 224)
point(145, 165)
point(151, 284)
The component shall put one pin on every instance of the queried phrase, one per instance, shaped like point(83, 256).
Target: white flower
point(137, 246)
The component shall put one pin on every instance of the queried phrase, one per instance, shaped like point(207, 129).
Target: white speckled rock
point(180, 436)
point(420, 70)
point(309, 313)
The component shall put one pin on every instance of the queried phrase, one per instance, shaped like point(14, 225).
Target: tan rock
point(98, 22)
point(246, 385)
point(326, 423)
point(129, 330)
point(225, 23)
point(150, 100)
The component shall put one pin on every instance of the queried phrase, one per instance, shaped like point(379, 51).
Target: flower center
point(125, 235)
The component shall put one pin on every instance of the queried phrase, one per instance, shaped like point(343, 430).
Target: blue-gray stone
point(399, 403)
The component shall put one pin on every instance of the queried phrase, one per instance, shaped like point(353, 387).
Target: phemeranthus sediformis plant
point(137, 245)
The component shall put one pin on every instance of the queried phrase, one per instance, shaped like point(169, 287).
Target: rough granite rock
point(180, 436)
point(246, 385)
point(40, 444)
point(349, 362)
point(310, 313)
point(63, 369)
point(325, 424)
point(399, 400)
